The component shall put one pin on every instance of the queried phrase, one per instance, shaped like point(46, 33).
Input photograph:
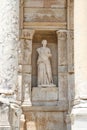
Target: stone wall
point(48, 20)
point(42, 108)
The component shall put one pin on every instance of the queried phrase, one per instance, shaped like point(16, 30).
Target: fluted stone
point(9, 36)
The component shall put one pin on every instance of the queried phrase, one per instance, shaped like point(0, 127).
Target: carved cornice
point(27, 34)
point(62, 34)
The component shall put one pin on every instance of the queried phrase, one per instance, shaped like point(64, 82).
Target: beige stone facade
point(59, 102)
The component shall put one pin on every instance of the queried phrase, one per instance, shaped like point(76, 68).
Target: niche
point(51, 38)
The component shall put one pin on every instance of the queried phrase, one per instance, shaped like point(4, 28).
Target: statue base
point(45, 95)
point(47, 85)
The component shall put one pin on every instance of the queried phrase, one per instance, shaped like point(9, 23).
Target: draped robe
point(44, 66)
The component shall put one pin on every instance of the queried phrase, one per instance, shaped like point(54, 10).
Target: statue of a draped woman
point(44, 66)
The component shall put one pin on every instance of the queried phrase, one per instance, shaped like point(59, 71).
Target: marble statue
point(44, 66)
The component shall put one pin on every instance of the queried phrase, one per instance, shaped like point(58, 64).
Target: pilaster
point(27, 35)
point(62, 64)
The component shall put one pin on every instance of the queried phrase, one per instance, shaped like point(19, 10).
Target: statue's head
point(44, 42)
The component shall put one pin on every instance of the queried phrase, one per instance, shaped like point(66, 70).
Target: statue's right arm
point(38, 50)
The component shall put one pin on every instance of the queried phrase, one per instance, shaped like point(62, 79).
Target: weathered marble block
point(4, 116)
point(44, 15)
point(45, 94)
point(45, 121)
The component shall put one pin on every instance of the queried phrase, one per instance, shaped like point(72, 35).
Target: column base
point(4, 117)
point(5, 128)
point(79, 118)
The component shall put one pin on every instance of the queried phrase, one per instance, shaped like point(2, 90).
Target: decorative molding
point(45, 25)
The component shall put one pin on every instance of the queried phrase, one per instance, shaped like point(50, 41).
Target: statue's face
point(44, 43)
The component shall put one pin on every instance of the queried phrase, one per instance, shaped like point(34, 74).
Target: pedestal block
point(43, 96)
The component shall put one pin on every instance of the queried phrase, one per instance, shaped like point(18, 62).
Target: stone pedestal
point(45, 121)
point(45, 117)
point(44, 96)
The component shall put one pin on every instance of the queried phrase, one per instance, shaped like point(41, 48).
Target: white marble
point(9, 38)
point(79, 118)
point(81, 50)
point(79, 111)
point(45, 94)
point(44, 66)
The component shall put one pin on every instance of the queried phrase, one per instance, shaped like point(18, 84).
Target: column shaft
point(80, 48)
point(9, 32)
point(9, 35)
